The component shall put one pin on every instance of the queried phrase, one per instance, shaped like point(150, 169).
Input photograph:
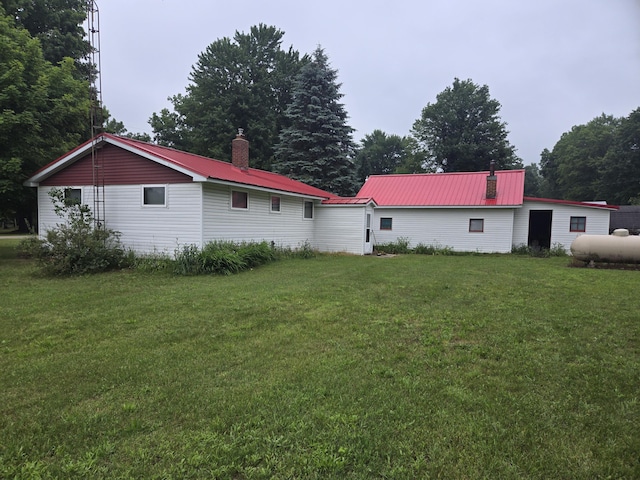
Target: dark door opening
point(540, 229)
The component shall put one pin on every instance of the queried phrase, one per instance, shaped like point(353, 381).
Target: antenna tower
point(95, 112)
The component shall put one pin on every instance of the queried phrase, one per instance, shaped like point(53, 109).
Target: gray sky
point(551, 64)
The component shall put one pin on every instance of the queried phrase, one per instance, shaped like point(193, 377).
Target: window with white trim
point(239, 200)
point(73, 196)
point(308, 210)
point(476, 225)
point(154, 195)
point(275, 204)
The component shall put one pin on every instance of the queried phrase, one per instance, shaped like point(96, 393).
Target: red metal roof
point(444, 189)
point(197, 165)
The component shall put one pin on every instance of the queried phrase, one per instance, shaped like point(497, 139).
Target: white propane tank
point(619, 247)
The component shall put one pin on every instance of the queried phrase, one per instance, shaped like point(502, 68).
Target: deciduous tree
point(241, 83)
point(572, 170)
point(380, 154)
point(620, 172)
point(317, 148)
point(43, 113)
point(462, 131)
point(58, 26)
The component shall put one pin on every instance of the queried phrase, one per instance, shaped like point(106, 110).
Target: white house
point(160, 198)
point(476, 211)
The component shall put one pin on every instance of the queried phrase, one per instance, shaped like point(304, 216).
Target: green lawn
point(334, 367)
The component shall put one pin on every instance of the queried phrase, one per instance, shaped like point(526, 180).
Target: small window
point(476, 225)
point(308, 209)
point(386, 223)
point(73, 196)
point(154, 195)
point(275, 203)
point(239, 200)
point(578, 224)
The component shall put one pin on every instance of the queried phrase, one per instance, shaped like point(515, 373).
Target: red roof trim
point(198, 167)
point(571, 202)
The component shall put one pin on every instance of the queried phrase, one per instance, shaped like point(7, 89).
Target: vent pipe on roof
point(240, 151)
point(492, 181)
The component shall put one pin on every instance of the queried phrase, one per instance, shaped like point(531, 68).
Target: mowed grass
point(335, 367)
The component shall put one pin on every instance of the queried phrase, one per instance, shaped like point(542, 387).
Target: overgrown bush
point(556, 250)
point(222, 257)
point(401, 246)
point(304, 251)
point(76, 246)
point(154, 263)
point(436, 249)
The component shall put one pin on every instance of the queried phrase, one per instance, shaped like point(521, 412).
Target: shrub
point(222, 257)
point(188, 261)
point(153, 263)
point(437, 249)
point(400, 246)
point(556, 250)
point(256, 254)
point(76, 246)
point(304, 251)
point(521, 249)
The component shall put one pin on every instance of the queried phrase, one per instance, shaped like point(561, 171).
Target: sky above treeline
point(551, 64)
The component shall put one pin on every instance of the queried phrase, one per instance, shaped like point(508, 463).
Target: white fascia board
point(263, 189)
point(196, 177)
point(60, 164)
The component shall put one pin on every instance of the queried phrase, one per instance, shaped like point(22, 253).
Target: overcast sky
point(551, 64)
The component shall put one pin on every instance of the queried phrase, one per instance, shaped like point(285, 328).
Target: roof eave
point(98, 141)
point(196, 177)
point(62, 162)
point(263, 189)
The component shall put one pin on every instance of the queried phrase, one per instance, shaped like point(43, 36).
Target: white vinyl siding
point(340, 228)
point(143, 229)
point(597, 222)
point(256, 223)
point(448, 227)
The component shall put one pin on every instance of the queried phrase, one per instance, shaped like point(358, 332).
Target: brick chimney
point(492, 181)
point(240, 151)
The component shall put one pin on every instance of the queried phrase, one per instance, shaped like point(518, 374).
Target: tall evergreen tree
point(244, 82)
point(317, 148)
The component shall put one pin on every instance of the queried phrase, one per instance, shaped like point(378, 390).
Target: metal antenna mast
point(96, 113)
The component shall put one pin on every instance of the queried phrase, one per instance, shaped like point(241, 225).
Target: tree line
point(289, 105)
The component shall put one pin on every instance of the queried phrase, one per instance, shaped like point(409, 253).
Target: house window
point(239, 200)
point(476, 225)
point(275, 204)
point(578, 224)
point(154, 195)
point(308, 209)
point(73, 196)
point(386, 223)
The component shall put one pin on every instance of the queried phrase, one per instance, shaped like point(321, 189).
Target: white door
point(368, 236)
